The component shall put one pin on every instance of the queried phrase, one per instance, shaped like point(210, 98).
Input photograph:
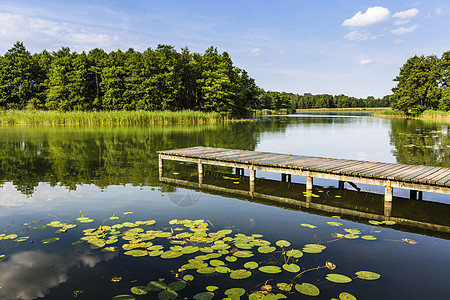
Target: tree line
point(423, 83)
point(159, 79)
point(283, 100)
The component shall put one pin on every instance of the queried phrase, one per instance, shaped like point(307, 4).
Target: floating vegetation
point(202, 252)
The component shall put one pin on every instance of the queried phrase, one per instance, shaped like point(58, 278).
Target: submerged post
point(388, 191)
point(309, 183)
point(200, 171)
point(160, 165)
point(252, 175)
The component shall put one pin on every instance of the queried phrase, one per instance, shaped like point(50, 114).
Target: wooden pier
point(417, 179)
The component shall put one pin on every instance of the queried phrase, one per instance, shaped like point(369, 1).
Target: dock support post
point(309, 183)
point(200, 172)
point(252, 175)
point(388, 192)
point(415, 195)
point(341, 184)
point(285, 177)
point(160, 165)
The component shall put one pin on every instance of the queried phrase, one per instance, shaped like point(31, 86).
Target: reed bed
point(428, 114)
point(39, 117)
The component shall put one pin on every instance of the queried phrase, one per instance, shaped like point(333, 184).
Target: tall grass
point(39, 117)
point(428, 114)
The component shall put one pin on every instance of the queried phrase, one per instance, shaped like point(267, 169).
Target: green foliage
point(160, 79)
point(423, 83)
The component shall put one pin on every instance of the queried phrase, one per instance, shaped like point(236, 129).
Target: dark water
point(51, 174)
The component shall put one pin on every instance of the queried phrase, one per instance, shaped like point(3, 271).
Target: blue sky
point(353, 47)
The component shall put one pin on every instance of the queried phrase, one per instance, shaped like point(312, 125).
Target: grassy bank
point(39, 117)
point(428, 114)
point(345, 109)
point(282, 111)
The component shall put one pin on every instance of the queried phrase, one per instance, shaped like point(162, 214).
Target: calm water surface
point(50, 176)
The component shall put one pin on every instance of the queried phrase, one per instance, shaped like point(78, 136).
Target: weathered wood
point(420, 178)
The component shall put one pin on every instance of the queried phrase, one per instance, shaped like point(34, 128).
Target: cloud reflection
point(31, 274)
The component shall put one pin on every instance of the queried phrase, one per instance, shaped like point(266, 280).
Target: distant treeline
point(155, 79)
point(159, 79)
point(283, 100)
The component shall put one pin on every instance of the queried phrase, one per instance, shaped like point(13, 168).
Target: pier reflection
point(423, 217)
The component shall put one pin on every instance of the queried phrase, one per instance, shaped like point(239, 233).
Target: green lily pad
point(222, 270)
point(251, 265)
point(334, 224)
point(235, 292)
point(204, 296)
point(351, 236)
point(136, 252)
point(240, 274)
point(41, 227)
point(307, 289)
point(368, 237)
point(293, 268)
point(48, 241)
point(243, 254)
point(177, 285)
point(155, 253)
point(266, 249)
point(389, 223)
point(171, 254)
point(243, 246)
point(167, 295)
point(216, 263)
point(123, 297)
point(283, 243)
point(283, 286)
point(346, 296)
point(313, 248)
point(21, 239)
point(225, 231)
point(188, 277)
point(294, 253)
point(2, 257)
point(212, 288)
point(156, 286)
point(139, 290)
point(270, 269)
point(338, 278)
point(308, 225)
point(206, 270)
point(189, 249)
point(367, 275)
point(373, 222)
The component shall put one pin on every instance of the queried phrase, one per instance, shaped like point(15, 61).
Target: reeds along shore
point(39, 117)
point(428, 114)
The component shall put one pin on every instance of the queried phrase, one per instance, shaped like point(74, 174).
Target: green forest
point(165, 79)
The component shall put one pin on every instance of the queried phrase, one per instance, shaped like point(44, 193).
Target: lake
point(85, 215)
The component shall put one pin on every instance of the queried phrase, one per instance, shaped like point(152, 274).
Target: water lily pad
point(136, 252)
point(155, 253)
point(123, 297)
point(294, 253)
point(48, 241)
point(266, 249)
point(225, 231)
point(41, 227)
point(206, 270)
point(346, 296)
point(367, 275)
point(389, 223)
point(139, 290)
point(222, 270)
point(293, 268)
point(307, 289)
point(338, 278)
point(188, 277)
point(204, 296)
point(283, 286)
point(308, 225)
point(212, 288)
point(177, 285)
point(368, 237)
point(283, 243)
point(167, 295)
point(313, 248)
point(270, 269)
point(243, 246)
point(2, 257)
point(251, 265)
point(21, 239)
point(216, 263)
point(156, 286)
point(240, 274)
point(171, 254)
point(243, 254)
point(334, 223)
point(235, 292)
point(351, 236)
point(373, 222)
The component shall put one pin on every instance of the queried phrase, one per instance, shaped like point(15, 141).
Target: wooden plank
point(389, 172)
point(425, 175)
point(407, 169)
point(220, 155)
point(345, 163)
point(418, 173)
point(444, 180)
point(247, 156)
point(363, 168)
point(383, 168)
point(438, 175)
point(277, 161)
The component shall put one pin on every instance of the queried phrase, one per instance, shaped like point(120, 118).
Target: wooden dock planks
point(287, 163)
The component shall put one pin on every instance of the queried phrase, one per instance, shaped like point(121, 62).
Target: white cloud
point(402, 30)
point(257, 51)
point(365, 62)
point(373, 15)
point(31, 29)
point(439, 11)
point(405, 16)
point(266, 64)
point(359, 36)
